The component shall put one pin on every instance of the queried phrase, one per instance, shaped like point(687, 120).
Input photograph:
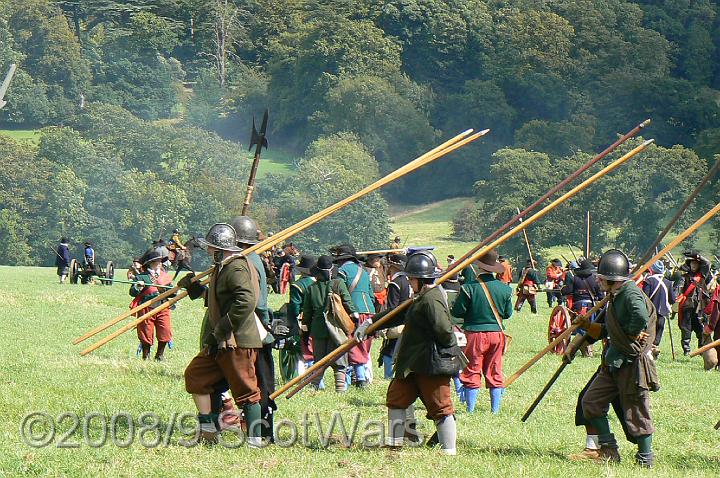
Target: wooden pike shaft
point(462, 264)
point(382, 251)
point(710, 174)
point(527, 241)
point(636, 276)
point(587, 237)
point(558, 187)
point(282, 235)
point(445, 148)
point(544, 391)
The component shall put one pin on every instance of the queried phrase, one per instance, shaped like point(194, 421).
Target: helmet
point(246, 230)
point(176, 231)
point(221, 236)
point(422, 265)
point(614, 266)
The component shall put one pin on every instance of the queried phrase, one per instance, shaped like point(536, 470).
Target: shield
point(559, 322)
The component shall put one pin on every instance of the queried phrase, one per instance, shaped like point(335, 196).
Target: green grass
point(431, 225)
point(22, 134)
point(276, 162)
point(41, 371)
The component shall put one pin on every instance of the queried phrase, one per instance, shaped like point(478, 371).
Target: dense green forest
point(144, 109)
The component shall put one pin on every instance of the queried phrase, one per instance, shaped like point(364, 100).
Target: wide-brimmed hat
point(489, 262)
point(324, 264)
point(343, 252)
point(152, 255)
point(585, 267)
point(397, 259)
point(306, 264)
point(556, 262)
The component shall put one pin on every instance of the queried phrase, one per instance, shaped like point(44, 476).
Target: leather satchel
point(336, 313)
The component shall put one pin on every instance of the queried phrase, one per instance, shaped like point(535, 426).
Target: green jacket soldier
point(427, 326)
point(231, 335)
point(628, 369)
point(315, 305)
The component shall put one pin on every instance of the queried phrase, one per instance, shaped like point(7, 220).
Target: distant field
point(275, 162)
point(431, 225)
point(31, 135)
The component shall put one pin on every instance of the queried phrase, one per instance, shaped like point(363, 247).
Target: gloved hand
point(593, 329)
point(573, 348)
point(360, 333)
point(194, 288)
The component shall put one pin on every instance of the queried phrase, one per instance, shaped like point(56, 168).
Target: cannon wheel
point(109, 273)
point(74, 269)
point(559, 322)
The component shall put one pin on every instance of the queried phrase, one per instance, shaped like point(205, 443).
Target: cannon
point(85, 273)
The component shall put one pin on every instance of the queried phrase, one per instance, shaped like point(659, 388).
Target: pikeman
point(483, 305)
point(527, 287)
point(231, 335)
point(295, 305)
point(398, 291)
point(152, 273)
point(582, 287)
point(357, 281)
point(712, 329)
point(660, 292)
point(554, 280)
point(428, 327)
point(315, 305)
point(627, 372)
point(247, 234)
point(693, 298)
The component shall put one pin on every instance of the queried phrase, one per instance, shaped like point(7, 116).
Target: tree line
point(383, 80)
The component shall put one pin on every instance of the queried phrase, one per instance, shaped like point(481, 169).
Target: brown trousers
point(635, 402)
point(433, 391)
point(237, 366)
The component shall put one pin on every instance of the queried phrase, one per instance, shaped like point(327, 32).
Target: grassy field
point(431, 225)
point(22, 134)
point(41, 371)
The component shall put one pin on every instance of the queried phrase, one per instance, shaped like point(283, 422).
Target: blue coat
point(62, 259)
point(362, 294)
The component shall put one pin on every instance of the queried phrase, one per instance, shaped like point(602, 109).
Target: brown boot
point(588, 454)
point(608, 454)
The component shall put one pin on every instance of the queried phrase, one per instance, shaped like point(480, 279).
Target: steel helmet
point(614, 266)
point(221, 236)
point(422, 265)
point(246, 230)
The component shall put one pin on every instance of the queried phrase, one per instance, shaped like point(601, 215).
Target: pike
point(259, 140)
point(451, 145)
point(587, 237)
point(648, 252)
point(527, 241)
point(637, 277)
point(119, 281)
point(458, 266)
point(573, 252)
point(710, 174)
point(6, 84)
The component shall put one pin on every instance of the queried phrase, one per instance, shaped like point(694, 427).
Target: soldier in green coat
point(315, 305)
point(628, 369)
point(427, 323)
point(231, 335)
